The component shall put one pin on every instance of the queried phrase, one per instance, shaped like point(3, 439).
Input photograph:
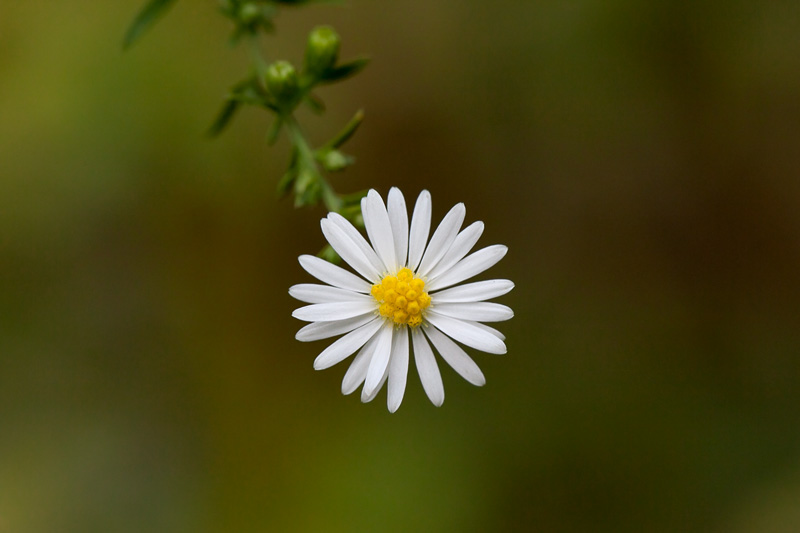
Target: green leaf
point(148, 16)
point(286, 181)
point(345, 71)
point(307, 190)
point(244, 92)
point(351, 207)
point(316, 105)
point(355, 197)
point(225, 115)
point(346, 132)
point(249, 91)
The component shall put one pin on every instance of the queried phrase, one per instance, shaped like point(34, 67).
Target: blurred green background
point(640, 159)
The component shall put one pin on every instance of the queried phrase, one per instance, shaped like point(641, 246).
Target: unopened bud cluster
point(322, 50)
point(281, 81)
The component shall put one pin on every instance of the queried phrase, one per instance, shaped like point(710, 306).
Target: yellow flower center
point(401, 298)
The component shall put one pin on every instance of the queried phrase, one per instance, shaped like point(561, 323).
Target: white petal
point(470, 266)
point(467, 333)
point(332, 274)
point(456, 357)
point(379, 229)
point(398, 217)
point(427, 368)
point(323, 330)
point(342, 348)
point(461, 247)
point(380, 360)
point(357, 372)
point(358, 239)
point(474, 292)
point(333, 311)
point(442, 239)
point(420, 229)
point(319, 294)
point(366, 398)
point(348, 250)
point(398, 369)
point(495, 332)
point(476, 311)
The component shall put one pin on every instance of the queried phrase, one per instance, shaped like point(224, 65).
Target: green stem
point(331, 200)
point(259, 60)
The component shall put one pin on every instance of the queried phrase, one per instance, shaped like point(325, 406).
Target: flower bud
point(322, 50)
point(281, 81)
point(307, 190)
point(249, 12)
point(334, 160)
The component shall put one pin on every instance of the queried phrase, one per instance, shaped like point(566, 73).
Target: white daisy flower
point(406, 289)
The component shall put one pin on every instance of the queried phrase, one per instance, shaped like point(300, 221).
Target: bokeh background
point(640, 159)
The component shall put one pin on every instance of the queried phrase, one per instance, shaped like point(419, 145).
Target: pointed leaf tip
point(148, 16)
point(224, 116)
point(345, 71)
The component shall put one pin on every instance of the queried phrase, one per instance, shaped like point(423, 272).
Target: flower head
point(406, 287)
